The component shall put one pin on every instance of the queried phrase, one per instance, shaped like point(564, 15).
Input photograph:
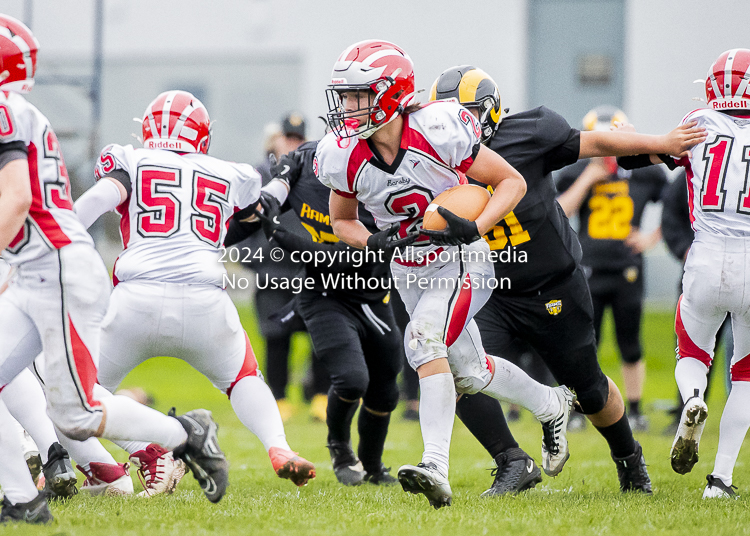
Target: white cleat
point(685, 445)
point(158, 471)
point(555, 434)
point(427, 480)
point(107, 479)
point(716, 489)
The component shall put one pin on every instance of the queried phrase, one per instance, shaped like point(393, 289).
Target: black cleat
point(346, 466)
point(60, 479)
point(717, 489)
point(515, 472)
point(427, 480)
point(381, 477)
point(201, 453)
point(35, 511)
point(632, 472)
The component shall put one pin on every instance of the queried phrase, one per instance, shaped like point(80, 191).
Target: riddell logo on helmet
point(720, 105)
point(165, 144)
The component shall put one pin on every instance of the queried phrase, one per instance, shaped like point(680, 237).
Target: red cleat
point(288, 464)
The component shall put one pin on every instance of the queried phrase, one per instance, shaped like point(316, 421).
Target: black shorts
point(558, 324)
point(621, 290)
point(360, 346)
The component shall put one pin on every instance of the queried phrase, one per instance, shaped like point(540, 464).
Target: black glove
point(269, 218)
point(457, 231)
point(387, 241)
point(288, 168)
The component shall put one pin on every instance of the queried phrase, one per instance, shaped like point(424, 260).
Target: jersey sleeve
point(114, 160)
point(560, 144)
point(452, 131)
point(246, 185)
point(329, 166)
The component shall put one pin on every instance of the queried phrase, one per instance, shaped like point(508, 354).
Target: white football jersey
point(718, 174)
point(175, 220)
point(438, 144)
point(51, 223)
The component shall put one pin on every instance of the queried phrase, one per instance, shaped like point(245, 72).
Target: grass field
point(583, 500)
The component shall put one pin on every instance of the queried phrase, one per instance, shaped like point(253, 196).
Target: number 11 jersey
point(718, 174)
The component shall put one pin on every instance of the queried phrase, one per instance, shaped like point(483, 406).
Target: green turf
point(584, 499)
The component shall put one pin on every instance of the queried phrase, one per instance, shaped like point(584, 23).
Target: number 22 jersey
point(175, 217)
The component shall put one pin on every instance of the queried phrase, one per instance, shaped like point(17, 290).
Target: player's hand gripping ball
point(466, 201)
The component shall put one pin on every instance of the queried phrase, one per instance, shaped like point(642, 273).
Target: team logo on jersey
point(554, 307)
point(315, 166)
point(414, 163)
point(742, 123)
point(631, 274)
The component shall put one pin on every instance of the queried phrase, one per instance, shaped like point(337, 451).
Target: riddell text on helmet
point(164, 144)
point(744, 104)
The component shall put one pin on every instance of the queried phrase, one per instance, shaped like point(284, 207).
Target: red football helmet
point(384, 72)
point(727, 81)
point(187, 128)
point(18, 48)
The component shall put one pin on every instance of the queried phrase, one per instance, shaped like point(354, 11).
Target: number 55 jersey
point(51, 223)
point(175, 217)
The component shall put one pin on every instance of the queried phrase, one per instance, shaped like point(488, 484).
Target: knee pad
point(469, 385)
point(352, 385)
point(423, 344)
point(75, 422)
point(593, 398)
point(384, 398)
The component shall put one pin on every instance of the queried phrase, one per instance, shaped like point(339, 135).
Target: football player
point(58, 298)
point(717, 269)
point(549, 304)
point(353, 329)
point(610, 201)
point(174, 202)
point(394, 156)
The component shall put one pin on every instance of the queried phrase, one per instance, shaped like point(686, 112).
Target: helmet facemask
point(362, 121)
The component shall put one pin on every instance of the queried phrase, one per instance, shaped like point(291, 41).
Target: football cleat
point(35, 511)
point(716, 489)
point(201, 453)
point(555, 441)
point(288, 464)
point(60, 478)
point(632, 472)
point(346, 466)
point(381, 477)
point(515, 472)
point(107, 479)
point(158, 471)
point(427, 480)
point(685, 445)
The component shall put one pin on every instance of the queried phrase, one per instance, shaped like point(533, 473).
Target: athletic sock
point(372, 431)
point(129, 420)
point(484, 418)
point(634, 407)
point(25, 401)
point(131, 446)
point(511, 384)
point(339, 417)
point(690, 375)
point(620, 438)
point(15, 478)
point(734, 424)
point(437, 408)
point(256, 408)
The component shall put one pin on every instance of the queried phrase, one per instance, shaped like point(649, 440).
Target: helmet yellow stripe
point(467, 89)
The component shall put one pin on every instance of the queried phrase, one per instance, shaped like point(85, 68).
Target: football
point(465, 200)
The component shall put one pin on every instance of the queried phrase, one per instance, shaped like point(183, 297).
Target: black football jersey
point(535, 244)
point(610, 211)
point(308, 198)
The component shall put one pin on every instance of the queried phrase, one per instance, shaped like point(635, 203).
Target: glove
point(457, 231)
point(387, 242)
point(288, 168)
point(269, 218)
